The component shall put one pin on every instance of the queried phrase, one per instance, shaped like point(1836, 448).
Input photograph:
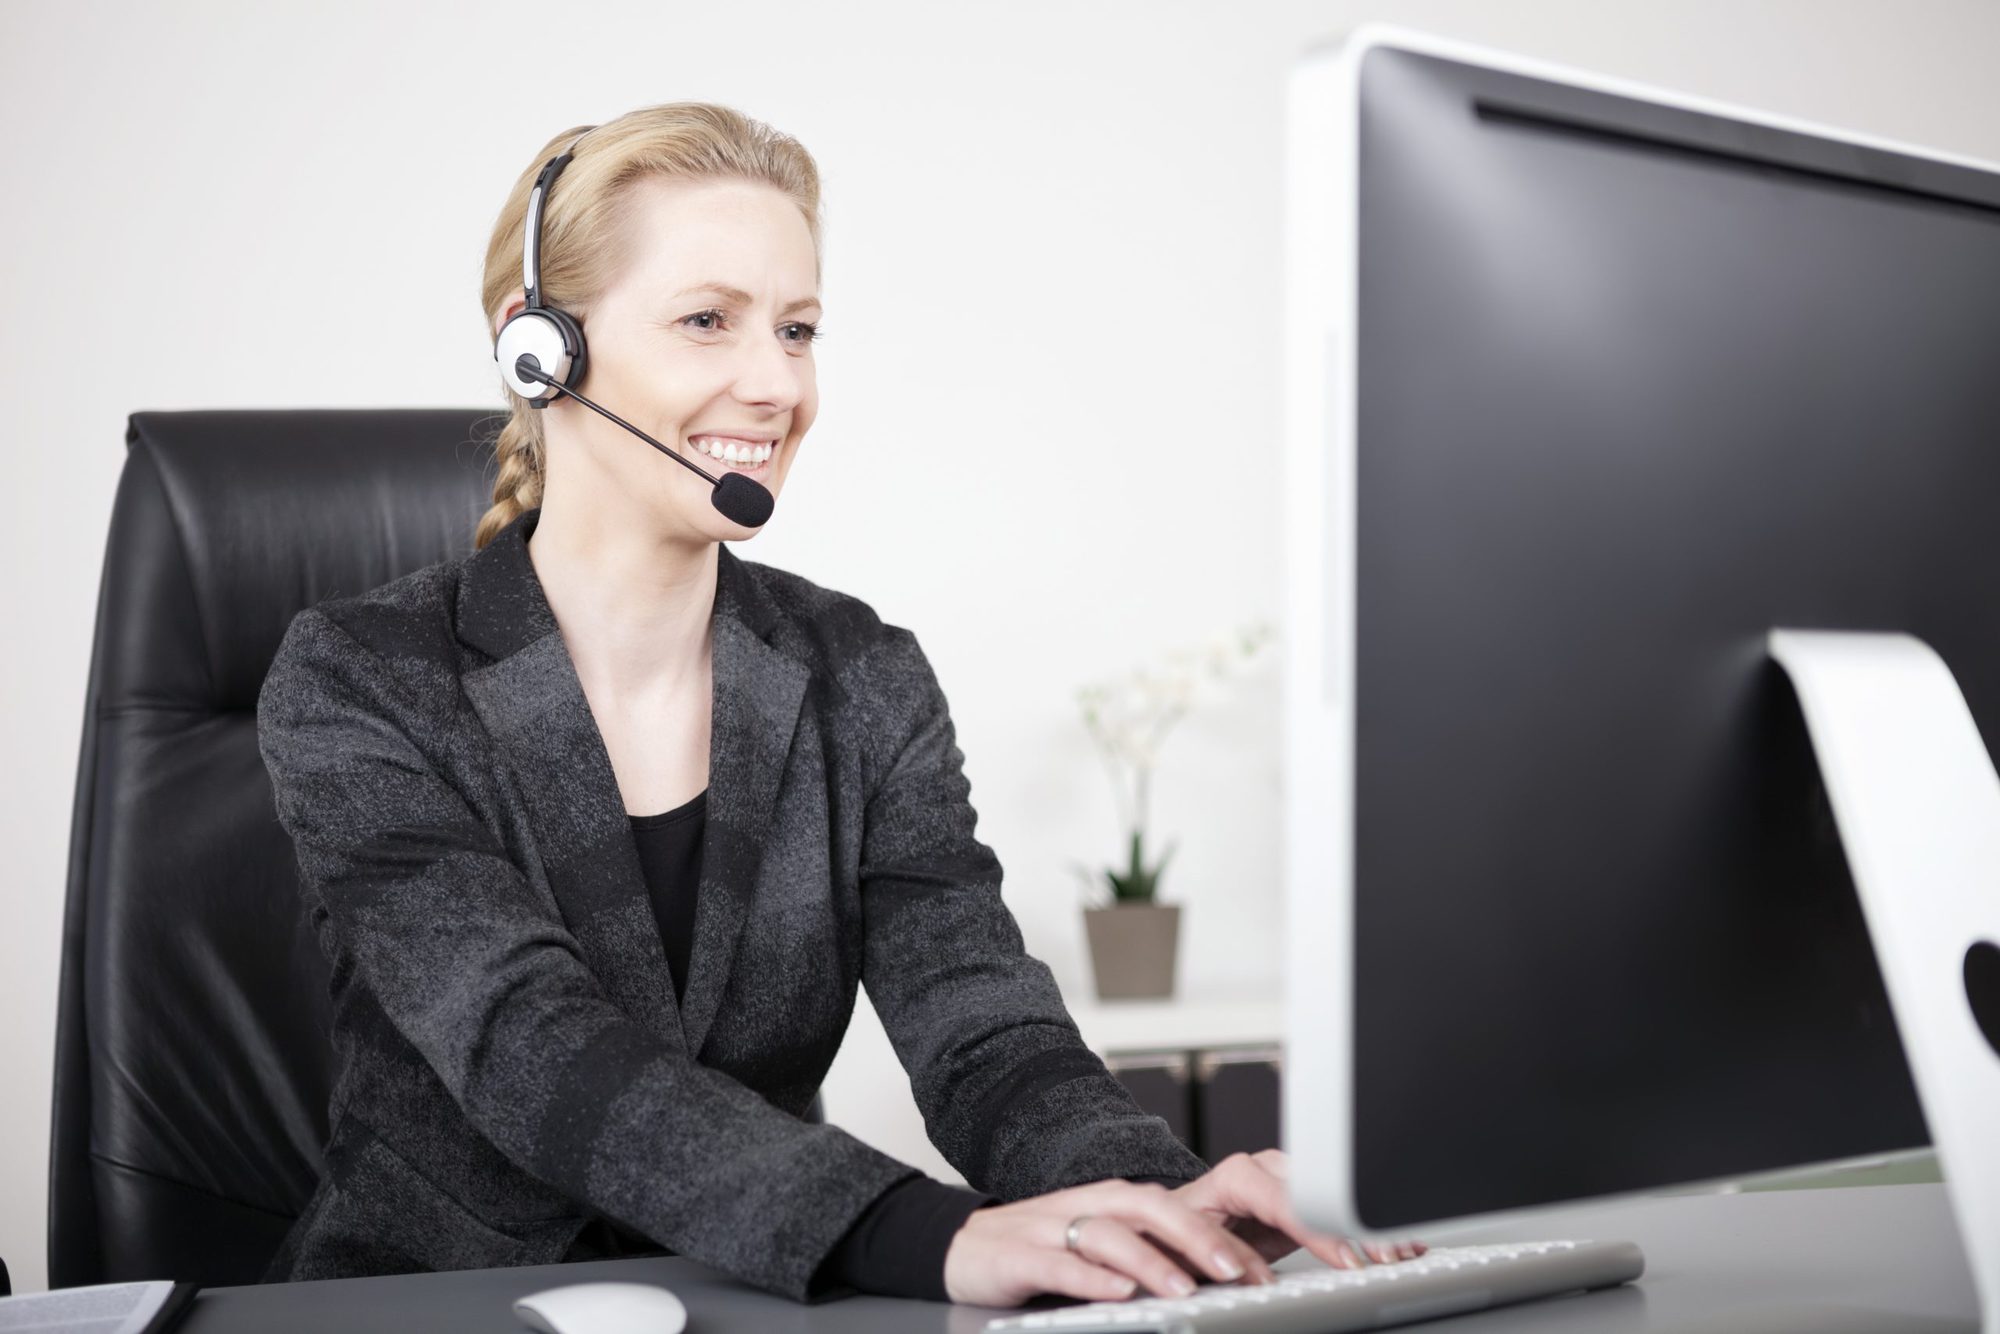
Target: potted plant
point(1134, 938)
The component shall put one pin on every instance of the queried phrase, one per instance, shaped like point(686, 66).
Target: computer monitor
point(1590, 387)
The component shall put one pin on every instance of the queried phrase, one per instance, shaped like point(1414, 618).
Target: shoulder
point(874, 670)
point(398, 632)
point(836, 632)
point(408, 615)
point(880, 682)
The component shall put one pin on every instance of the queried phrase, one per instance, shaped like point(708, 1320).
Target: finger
point(1073, 1276)
point(1374, 1252)
point(1268, 1244)
point(1247, 1269)
point(1248, 1188)
point(1109, 1242)
point(1212, 1248)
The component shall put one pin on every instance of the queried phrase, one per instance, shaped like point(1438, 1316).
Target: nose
point(769, 376)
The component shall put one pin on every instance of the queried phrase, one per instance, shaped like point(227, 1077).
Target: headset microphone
point(541, 354)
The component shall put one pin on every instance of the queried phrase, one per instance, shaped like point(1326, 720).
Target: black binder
point(1237, 1093)
point(1158, 1082)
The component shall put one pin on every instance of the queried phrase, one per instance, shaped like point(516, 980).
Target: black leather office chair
point(192, 1052)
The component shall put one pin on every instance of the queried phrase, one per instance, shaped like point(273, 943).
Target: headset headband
point(531, 235)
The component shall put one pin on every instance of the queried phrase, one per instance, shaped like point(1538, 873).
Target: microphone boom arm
point(738, 498)
point(530, 369)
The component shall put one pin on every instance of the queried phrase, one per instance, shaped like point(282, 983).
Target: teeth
point(732, 451)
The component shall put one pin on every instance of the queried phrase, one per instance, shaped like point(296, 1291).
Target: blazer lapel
point(532, 703)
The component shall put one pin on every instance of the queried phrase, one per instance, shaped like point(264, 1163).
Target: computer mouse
point(602, 1308)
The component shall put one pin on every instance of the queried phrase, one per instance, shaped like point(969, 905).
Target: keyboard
point(1445, 1280)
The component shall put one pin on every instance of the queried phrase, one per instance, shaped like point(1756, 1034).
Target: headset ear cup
point(553, 339)
point(579, 354)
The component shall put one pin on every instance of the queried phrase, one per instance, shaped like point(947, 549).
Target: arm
point(1009, 1092)
point(483, 980)
point(899, 1244)
point(897, 1247)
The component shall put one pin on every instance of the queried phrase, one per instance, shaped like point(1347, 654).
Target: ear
point(510, 308)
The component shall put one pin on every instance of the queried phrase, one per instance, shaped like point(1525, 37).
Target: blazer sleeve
point(404, 879)
point(1009, 1092)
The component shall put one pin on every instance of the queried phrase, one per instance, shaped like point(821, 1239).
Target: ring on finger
point(1070, 1235)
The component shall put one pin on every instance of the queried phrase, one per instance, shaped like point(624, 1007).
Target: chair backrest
point(193, 1058)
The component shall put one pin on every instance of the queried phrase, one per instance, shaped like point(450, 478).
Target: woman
point(601, 827)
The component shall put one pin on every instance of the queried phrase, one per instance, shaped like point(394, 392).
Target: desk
point(1711, 1261)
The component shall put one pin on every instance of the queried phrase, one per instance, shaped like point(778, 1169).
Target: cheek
point(680, 393)
point(808, 407)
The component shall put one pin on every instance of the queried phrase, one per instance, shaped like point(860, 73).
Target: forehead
point(745, 233)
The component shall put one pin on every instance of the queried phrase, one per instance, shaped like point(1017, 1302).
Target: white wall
point(1051, 366)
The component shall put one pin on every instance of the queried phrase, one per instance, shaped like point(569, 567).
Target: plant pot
point(1132, 949)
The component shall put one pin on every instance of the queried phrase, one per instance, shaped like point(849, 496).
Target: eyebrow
point(741, 297)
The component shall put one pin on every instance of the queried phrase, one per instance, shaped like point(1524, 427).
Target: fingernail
point(1181, 1285)
point(1227, 1266)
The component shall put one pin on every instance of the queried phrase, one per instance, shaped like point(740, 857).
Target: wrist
point(955, 1248)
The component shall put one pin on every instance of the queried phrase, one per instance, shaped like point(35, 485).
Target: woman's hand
point(1006, 1253)
point(1227, 1225)
point(1246, 1192)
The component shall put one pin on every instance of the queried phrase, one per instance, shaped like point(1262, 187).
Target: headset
point(552, 337)
point(542, 355)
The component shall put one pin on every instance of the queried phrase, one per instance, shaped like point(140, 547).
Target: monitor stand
point(1917, 803)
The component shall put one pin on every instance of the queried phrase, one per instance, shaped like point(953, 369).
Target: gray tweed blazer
point(512, 1061)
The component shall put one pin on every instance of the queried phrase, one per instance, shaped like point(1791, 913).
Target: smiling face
point(703, 340)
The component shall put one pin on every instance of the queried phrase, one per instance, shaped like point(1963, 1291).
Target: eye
point(808, 332)
point(706, 315)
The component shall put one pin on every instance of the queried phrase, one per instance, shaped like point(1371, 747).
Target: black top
point(670, 853)
point(896, 1247)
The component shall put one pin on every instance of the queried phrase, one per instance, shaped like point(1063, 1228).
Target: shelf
point(1182, 1022)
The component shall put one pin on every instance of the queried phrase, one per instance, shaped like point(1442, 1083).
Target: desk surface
point(1714, 1263)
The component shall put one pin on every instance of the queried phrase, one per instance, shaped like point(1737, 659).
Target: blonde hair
point(582, 238)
